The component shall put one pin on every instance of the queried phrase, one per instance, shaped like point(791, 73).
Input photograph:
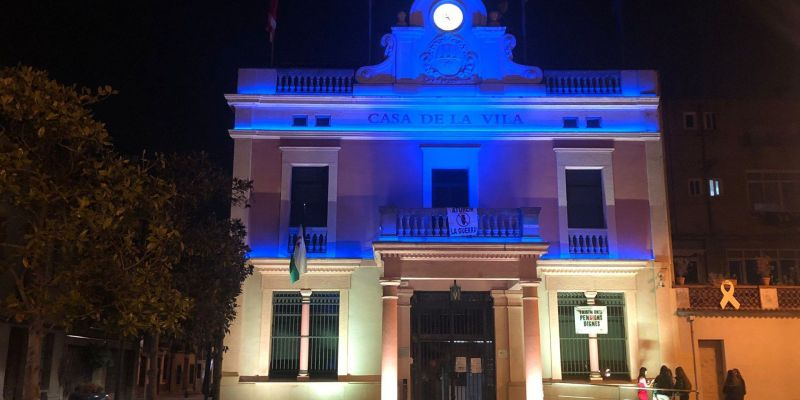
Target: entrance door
point(712, 369)
point(452, 346)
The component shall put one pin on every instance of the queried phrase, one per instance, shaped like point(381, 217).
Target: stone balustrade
point(588, 242)
point(504, 224)
point(316, 239)
point(583, 82)
point(328, 81)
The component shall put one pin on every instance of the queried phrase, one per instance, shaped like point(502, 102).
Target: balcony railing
point(316, 239)
point(588, 241)
point(750, 298)
point(515, 224)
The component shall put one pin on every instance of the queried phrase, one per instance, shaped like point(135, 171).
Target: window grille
point(574, 347)
point(324, 335)
point(285, 349)
point(613, 347)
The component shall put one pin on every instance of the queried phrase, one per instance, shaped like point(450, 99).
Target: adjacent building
point(734, 184)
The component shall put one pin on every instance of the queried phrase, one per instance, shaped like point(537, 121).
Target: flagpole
point(369, 33)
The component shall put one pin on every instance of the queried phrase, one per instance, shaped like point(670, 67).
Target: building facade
point(734, 189)
point(457, 208)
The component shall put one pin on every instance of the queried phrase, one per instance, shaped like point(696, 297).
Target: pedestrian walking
point(664, 384)
point(682, 383)
point(642, 383)
point(734, 387)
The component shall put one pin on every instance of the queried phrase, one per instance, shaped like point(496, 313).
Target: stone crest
point(449, 59)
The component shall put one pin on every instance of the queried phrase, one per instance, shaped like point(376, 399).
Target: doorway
point(452, 346)
point(712, 368)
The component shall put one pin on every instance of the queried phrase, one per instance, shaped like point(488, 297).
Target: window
point(784, 265)
point(323, 120)
point(714, 187)
point(285, 349)
point(709, 121)
point(309, 205)
point(695, 187)
point(594, 122)
point(689, 120)
point(450, 188)
point(570, 122)
point(774, 191)
point(323, 354)
point(300, 120)
point(323, 339)
point(585, 205)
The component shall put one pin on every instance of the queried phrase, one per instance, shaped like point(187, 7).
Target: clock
point(448, 16)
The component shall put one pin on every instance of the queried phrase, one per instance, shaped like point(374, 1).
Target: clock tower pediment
point(448, 42)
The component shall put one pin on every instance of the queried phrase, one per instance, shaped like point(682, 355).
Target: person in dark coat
point(734, 387)
point(682, 383)
point(664, 383)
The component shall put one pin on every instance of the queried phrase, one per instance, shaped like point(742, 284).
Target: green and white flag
point(297, 266)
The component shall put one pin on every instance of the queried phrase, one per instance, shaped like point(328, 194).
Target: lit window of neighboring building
point(774, 191)
point(709, 121)
point(714, 187)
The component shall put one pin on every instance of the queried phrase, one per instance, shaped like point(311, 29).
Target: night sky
point(172, 60)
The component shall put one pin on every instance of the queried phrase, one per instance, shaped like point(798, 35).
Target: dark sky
point(172, 60)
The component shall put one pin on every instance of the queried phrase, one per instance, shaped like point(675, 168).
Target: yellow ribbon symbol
point(727, 295)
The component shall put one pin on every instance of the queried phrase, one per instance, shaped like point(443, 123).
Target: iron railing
point(613, 347)
point(574, 347)
point(285, 349)
point(323, 357)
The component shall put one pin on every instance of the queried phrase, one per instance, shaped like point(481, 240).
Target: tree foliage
point(214, 261)
point(90, 235)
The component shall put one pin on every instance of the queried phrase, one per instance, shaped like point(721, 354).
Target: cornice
point(251, 100)
point(323, 266)
point(458, 251)
point(590, 267)
point(419, 133)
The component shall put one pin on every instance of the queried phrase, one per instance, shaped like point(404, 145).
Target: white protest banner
point(462, 221)
point(591, 320)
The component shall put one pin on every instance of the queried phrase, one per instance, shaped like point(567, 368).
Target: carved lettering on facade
point(444, 119)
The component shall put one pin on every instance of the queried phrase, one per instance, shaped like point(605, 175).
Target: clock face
point(448, 16)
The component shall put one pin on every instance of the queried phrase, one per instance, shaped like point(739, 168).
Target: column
point(501, 345)
point(534, 390)
point(404, 341)
point(594, 352)
point(389, 340)
point(305, 327)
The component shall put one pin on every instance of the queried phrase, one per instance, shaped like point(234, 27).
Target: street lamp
point(455, 291)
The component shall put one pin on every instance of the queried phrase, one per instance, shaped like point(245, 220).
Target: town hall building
point(475, 228)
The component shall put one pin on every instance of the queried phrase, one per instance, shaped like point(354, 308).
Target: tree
point(93, 239)
point(214, 264)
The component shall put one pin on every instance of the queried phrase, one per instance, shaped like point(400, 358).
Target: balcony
point(316, 239)
point(756, 300)
point(588, 242)
point(431, 225)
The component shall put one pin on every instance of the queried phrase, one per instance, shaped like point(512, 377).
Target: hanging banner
point(591, 320)
point(462, 221)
